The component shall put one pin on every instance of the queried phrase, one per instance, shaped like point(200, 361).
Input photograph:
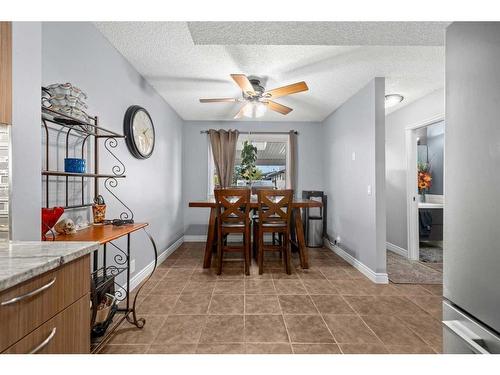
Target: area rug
point(431, 254)
point(404, 271)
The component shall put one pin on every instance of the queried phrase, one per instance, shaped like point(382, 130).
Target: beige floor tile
point(179, 273)
point(316, 349)
point(172, 349)
point(194, 304)
point(310, 273)
point(431, 304)
point(428, 328)
point(259, 287)
point(156, 304)
point(199, 287)
point(363, 349)
point(307, 329)
point(297, 304)
point(350, 287)
point(233, 348)
point(227, 304)
point(181, 329)
point(331, 304)
point(230, 287)
point(411, 289)
point(265, 328)
point(408, 349)
point(124, 349)
point(350, 329)
point(289, 286)
point(262, 304)
point(223, 329)
point(391, 330)
point(335, 273)
point(317, 286)
point(387, 305)
point(268, 348)
point(129, 334)
point(434, 289)
point(169, 286)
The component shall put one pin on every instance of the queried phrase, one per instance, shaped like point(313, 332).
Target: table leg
point(210, 238)
point(299, 232)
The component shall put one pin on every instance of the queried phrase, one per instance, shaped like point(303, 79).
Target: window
point(270, 166)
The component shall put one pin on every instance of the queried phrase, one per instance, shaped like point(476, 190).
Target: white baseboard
point(146, 271)
point(397, 249)
point(195, 238)
point(376, 277)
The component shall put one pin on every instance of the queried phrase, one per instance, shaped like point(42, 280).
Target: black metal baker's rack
point(101, 275)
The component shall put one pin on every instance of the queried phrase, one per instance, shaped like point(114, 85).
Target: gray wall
point(25, 134)
point(414, 113)
point(435, 144)
point(472, 165)
point(79, 53)
point(195, 159)
point(353, 214)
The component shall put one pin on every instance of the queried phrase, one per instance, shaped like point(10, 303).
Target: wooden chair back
point(275, 206)
point(232, 205)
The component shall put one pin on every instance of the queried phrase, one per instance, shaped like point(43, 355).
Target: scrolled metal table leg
point(139, 323)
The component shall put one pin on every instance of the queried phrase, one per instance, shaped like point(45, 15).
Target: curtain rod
point(294, 131)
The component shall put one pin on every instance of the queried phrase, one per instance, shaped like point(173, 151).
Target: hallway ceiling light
point(393, 99)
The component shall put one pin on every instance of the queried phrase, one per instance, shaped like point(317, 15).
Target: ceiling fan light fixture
point(255, 109)
point(392, 99)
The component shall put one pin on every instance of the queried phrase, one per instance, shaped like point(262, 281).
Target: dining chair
point(233, 218)
point(274, 215)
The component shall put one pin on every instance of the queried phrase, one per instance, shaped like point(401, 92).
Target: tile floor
point(329, 308)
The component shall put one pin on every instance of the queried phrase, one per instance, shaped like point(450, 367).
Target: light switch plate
point(353, 155)
point(369, 190)
point(132, 266)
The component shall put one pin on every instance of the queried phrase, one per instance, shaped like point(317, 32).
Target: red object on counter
point(50, 216)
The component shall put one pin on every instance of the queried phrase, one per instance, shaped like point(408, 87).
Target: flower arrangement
point(424, 178)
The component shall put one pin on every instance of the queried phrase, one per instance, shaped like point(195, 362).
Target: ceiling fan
point(256, 99)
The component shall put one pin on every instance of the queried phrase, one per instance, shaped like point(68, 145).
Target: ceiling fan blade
point(286, 90)
point(241, 111)
point(218, 100)
point(277, 107)
point(242, 81)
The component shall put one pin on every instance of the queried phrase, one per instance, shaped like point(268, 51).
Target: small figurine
point(65, 226)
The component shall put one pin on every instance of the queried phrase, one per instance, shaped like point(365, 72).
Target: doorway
point(425, 191)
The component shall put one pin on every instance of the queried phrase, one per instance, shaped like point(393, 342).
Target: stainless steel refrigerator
point(471, 309)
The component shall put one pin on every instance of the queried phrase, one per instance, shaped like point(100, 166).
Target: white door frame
point(411, 185)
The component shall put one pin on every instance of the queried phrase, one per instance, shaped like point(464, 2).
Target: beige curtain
point(223, 144)
point(291, 170)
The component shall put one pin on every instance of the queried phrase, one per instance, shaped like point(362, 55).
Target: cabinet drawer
point(51, 293)
point(67, 333)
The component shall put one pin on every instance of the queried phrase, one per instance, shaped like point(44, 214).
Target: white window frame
point(281, 137)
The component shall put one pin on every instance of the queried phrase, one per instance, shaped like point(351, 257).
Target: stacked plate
point(66, 99)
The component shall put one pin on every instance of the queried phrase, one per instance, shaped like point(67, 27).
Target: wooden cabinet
point(27, 308)
point(68, 332)
point(5, 73)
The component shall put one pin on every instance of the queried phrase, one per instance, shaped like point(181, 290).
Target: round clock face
point(140, 132)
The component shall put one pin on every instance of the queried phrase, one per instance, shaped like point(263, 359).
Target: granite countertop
point(23, 260)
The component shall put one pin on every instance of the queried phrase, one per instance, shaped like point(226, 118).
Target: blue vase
point(74, 165)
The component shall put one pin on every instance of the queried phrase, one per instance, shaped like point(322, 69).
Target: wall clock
point(139, 131)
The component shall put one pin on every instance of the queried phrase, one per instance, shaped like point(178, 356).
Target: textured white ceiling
point(182, 71)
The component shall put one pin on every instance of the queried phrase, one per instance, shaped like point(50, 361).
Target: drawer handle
point(30, 294)
point(45, 342)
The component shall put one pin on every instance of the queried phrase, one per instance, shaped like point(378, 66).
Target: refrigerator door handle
point(469, 337)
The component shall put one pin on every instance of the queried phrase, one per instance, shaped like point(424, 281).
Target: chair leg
point(255, 240)
point(260, 256)
point(219, 255)
point(288, 254)
point(246, 250)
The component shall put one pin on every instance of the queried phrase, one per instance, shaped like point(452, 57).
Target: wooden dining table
point(297, 227)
